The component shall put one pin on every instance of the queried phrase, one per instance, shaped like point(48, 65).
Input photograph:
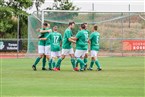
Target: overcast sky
point(102, 5)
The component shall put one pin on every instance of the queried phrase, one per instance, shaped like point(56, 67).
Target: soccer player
point(94, 47)
point(81, 46)
point(67, 47)
point(42, 50)
point(86, 55)
point(47, 49)
point(56, 41)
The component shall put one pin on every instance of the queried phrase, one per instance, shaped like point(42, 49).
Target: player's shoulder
point(67, 30)
point(97, 33)
point(87, 30)
point(80, 32)
point(58, 33)
point(84, 31)
point(94, 33)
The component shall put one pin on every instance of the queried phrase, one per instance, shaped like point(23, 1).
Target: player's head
point(71, 24)
point(95, 28)
point(86, 24)
point(45, 25)
point(83, 26)
point(55, 28)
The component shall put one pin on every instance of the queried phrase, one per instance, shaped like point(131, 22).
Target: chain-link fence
point(114, 28)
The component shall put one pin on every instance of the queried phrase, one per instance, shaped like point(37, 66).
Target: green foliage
point(10, 10)
point(63, 5)
point(4, 25)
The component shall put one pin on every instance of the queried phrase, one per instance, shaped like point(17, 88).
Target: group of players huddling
point(51, 42)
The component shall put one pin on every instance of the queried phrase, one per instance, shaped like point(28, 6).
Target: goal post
point(113, 27)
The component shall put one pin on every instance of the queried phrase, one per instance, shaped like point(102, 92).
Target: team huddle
point(51, 42)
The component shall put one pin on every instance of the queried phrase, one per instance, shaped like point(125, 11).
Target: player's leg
point(41, 54)
point(77, 64)
point(93, 55)
point(57, 54)
point(86, 60)
point(73, 62)
point(92, 63)
point(63, 54)
point(48, 54)
point(71, 53)
point(58, 64)
point(97, 62)
point(79, 54)
point(44, 62)
point(53, 55)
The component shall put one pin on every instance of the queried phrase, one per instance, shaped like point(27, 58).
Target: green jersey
point(82, 40)
point(88, 31)
point(94, 38)
point(43, 35)
point(55, 40)
point(47, 42)
point(66, 43)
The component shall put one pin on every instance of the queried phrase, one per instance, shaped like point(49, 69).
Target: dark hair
point(55, 28)
point(95, 27)
point(83, 26)
point(70, 23)
point(85, 23)
point(45, 24)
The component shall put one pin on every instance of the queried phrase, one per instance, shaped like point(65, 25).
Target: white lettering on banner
point(138, 47)
point(12, 44)
point(12, 48)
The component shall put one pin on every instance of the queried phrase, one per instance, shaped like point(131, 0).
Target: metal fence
point(110, 50)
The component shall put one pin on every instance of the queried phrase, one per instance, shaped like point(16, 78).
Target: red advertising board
point(131, 45)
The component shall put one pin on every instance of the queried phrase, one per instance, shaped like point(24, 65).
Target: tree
point(38, 4)
point(63, 5)
point(10, 10)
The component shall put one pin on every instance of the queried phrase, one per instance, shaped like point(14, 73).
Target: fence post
point(42, 17)
point(129, 14)
point(122, 34)
point(18, 37)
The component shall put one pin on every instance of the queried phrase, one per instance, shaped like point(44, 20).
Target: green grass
point(121, 77)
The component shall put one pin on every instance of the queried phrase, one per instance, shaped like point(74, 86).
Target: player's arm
point(44, 31)
point(71, 40)
point(43, 38)
point(89, 41)
point(38, 30)
point(90, 38)
point(61, 44)
point(48, 36)
point(76, 37)
point(60, 40)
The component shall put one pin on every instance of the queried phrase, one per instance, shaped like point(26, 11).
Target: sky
point(102, 5)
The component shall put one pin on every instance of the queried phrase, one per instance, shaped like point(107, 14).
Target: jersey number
point(56, 39)
point(86, 37)
point(97, 40)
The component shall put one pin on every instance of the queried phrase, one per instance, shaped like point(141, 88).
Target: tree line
point(13, 10)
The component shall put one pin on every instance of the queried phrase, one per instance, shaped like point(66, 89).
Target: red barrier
point(131, 45)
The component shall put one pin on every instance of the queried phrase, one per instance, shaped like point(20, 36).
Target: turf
point(121, 77)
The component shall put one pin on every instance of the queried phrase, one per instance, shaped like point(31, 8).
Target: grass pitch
point(121, 77)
